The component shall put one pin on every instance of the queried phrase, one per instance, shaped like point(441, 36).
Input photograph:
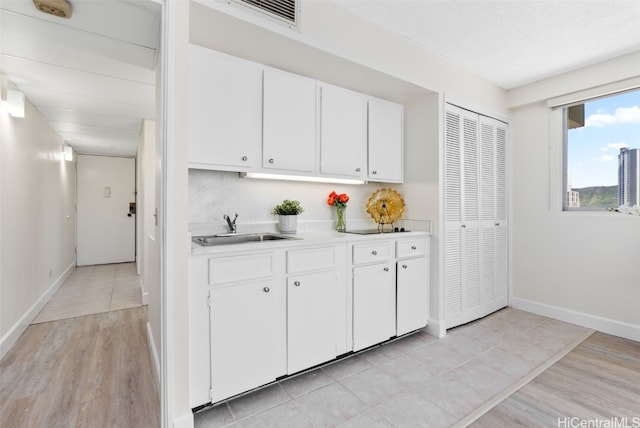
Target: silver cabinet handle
point(271, 160)
point(374, 172)
point(266, 289)
point(375, 253)
point(386, 269)
point(297, 283)
point(357, 169)
point(244, 158)
point(413, 247)
point(404, 266)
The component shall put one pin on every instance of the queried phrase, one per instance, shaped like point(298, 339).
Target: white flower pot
point(288, 223)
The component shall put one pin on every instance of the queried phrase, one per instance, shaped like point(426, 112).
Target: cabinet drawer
point(240, 268)
point(308, 260)
point(372, 252)
point(410, 248)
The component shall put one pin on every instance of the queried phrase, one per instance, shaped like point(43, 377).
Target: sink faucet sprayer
point(231, 223)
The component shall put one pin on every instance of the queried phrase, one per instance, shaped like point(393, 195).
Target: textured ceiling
point(512, 42)
point(92, 76)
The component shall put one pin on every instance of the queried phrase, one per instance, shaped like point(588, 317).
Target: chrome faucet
point(231, 223)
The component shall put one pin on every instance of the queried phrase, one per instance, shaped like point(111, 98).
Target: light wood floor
point(599, 380)
point(90, 371)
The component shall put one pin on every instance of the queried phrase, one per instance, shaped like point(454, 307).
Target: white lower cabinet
point(374, 307)
point(412, 295)
point(247, 337)
point(257, 316)
point(311, 336)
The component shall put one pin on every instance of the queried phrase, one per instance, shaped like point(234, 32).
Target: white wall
point(580, 267)
point(37, 220)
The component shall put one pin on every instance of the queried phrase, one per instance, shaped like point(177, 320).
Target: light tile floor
point(92, 290)
point(416, 381)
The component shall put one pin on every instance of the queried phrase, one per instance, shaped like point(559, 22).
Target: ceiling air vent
point(283, 10)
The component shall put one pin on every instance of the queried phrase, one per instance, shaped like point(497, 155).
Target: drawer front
point(240, 268)
point(372, 252)
point(309, 260)
point(411, 248)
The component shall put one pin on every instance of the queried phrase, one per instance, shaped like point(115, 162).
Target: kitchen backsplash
point(214, 193)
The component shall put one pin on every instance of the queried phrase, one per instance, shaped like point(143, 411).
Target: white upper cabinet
point(225, 111)
point(289, 122)
point(386, 141)
point(343, 132)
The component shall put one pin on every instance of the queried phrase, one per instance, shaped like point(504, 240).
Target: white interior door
point(106, 228)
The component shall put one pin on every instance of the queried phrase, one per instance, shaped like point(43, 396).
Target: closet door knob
point(374, 172)
point(386, 269)
point(404, 266)
point(266, 289)
point(271, 160)
point(244, 158)
point(375, 253)
point(357, 169)
point(297, 283)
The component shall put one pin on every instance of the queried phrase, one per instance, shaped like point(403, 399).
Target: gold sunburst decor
point(385, 206)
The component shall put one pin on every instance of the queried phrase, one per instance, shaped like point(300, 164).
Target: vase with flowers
point(340, 202)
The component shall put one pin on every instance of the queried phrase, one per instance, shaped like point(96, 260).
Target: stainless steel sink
point(233, 238)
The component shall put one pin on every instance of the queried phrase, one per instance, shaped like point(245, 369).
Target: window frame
point(565, 148)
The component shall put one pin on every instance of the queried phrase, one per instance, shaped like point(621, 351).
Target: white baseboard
point(14, 333)
point(154, 353)
point(184, 421)
point(605, 325)
point(436, 328)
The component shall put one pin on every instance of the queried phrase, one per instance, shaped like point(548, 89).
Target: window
point(602, 153)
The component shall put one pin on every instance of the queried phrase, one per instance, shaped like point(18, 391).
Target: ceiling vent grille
point(283, 10)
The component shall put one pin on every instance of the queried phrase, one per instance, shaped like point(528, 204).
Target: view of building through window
point(602, 147)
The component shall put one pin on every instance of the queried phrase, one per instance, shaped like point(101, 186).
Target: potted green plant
point(287, 213)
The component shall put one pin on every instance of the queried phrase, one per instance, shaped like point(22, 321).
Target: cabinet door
point(225, 111)
point(289, 126)
point(311, 316)
point(386, 141)
point(248, 337)
point(412, 295)
point(374, 304)
point(343, 133)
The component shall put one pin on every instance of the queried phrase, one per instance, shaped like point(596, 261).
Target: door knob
point(297, 283)
point(244, 158)
point(266, 289)
point(386, 269)
point(375, 253)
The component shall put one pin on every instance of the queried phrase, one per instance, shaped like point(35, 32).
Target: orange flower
point(339, 200)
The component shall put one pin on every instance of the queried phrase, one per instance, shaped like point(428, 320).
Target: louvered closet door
point(501, 253)
point(462, 250)
point(493, 234)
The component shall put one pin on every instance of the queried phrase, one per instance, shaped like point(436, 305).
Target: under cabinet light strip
point(264, 176)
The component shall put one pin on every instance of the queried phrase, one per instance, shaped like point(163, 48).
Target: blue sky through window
point(610, 123)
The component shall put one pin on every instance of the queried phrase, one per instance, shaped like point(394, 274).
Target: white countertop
point(305, 238)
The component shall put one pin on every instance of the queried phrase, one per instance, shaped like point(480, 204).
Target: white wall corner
point(184, 421)
point(436, 328)
point(14, 333)
point(604, 325)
